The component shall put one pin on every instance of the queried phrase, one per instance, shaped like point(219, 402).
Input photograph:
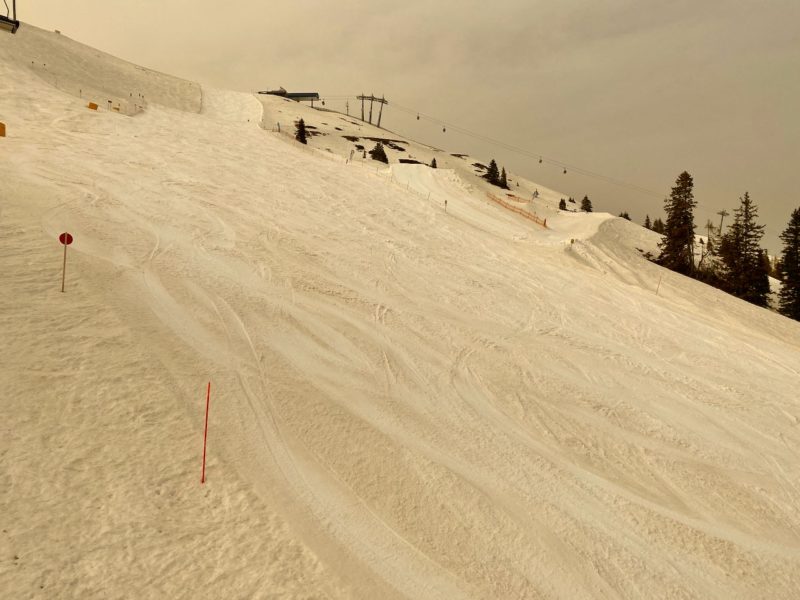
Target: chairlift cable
point(541, 158)
point(522, 151)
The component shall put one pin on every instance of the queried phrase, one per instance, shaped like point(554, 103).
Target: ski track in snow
point(406, 402)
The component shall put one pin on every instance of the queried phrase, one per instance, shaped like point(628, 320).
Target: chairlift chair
point(9, 21)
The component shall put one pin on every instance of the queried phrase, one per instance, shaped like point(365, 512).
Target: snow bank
point(231, 106)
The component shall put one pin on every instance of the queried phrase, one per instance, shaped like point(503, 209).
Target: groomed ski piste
point(405, 402)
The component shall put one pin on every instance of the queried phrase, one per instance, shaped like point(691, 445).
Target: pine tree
point(625, 215)
point(433, 163)
point(790, 268)
point(761, 278)
point(658, 226)
point(562, 205)
point(677, 247)
point(710, 228)
point(586, 204)
point(742, 257)
point(379, 154)
point(492, 173)
point(647, 223)
point(503, 182)
point(300, 132)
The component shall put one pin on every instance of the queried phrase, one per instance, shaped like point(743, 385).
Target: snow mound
point(231, 106)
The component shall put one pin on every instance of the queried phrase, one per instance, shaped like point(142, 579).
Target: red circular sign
point(65, 238)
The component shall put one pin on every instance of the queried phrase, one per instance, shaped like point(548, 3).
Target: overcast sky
point(632, 89)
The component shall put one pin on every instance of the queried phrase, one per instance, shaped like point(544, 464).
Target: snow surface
point(406, 402)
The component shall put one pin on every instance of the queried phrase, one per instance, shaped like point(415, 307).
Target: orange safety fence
point(519, 211)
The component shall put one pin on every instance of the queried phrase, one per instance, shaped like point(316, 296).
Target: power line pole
point(380, 114)
point(371, 100)
point(722, 214)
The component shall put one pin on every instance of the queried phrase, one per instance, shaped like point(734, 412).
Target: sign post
point(66, 239)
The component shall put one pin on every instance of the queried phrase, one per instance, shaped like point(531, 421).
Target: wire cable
point(516, 149)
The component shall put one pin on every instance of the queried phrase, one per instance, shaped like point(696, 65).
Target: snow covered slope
point(406, 402)
point(97, 77)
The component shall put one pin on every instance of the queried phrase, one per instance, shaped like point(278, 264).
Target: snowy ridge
point(406, 402)
point(92, 75)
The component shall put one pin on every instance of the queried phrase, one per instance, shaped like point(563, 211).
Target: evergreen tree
point(702, 252)
point(710, 228)
point(503, 182)
point(742, 257)
point(677, 247)
point(492, 173)
point(658, 226)
point(586, 204)
point(790, 268)
point(625, 215)
point(647, 223)
point(379, 154)
point(562, 205)
point(433, 163)
point(300, 132)
point(761, 278)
